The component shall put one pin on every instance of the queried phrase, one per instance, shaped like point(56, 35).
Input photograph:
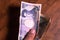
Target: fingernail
point(33, 31)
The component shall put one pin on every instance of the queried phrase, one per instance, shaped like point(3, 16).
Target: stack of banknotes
point(29, 18)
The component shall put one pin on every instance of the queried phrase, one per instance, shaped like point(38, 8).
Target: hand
point(30, 35)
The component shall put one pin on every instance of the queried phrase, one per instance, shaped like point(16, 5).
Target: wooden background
point(50, 8)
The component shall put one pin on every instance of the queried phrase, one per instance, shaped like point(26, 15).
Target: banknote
point(29, 18)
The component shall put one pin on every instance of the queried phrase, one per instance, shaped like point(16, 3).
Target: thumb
point(30, 35)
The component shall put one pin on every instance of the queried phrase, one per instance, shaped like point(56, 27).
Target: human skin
point(30, 35)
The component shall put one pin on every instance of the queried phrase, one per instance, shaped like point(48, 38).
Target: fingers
point(30, 35)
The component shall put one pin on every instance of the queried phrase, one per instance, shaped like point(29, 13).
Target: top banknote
point(29, 18)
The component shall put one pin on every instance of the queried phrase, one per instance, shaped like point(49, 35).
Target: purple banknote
point(29, 18)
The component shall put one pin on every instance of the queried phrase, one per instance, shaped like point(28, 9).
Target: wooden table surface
point(53, 32)
point(50, 8)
